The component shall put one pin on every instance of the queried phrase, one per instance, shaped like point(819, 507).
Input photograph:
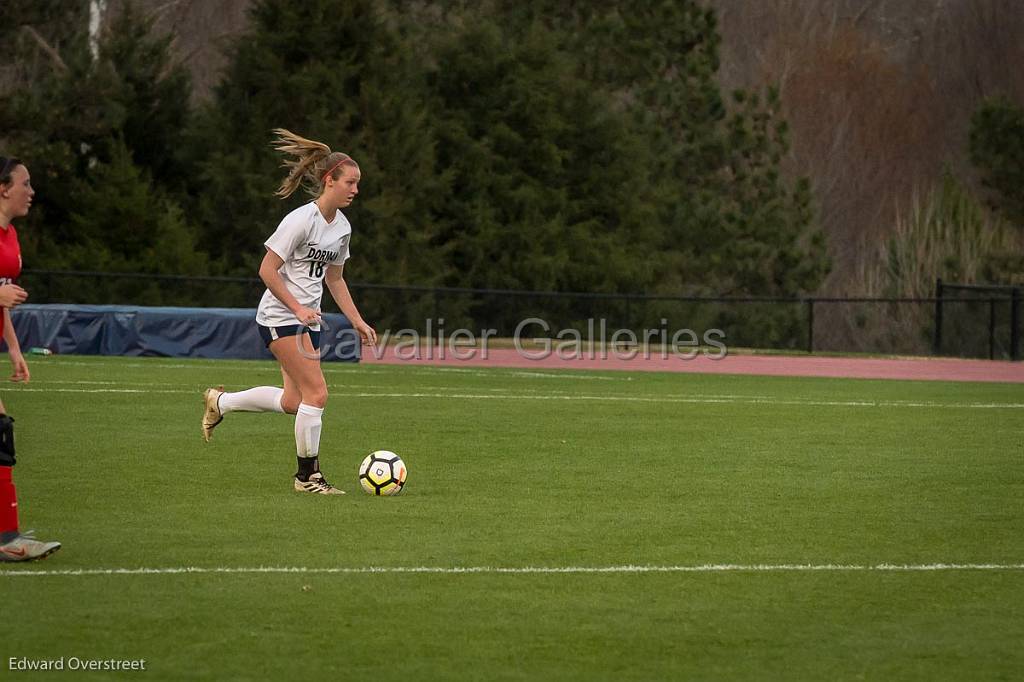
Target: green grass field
point(513, 469)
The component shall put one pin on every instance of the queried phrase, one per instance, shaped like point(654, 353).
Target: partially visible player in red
point(15, 199)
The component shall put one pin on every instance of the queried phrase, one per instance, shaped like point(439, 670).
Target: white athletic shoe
point(211, 413)
point(27, 548)
point(317, 485)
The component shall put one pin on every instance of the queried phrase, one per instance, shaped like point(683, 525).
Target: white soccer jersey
point(308, 244)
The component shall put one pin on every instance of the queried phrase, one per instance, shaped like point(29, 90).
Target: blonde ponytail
point(310, 164)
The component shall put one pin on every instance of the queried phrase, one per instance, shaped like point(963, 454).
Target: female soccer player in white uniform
point(308, 249)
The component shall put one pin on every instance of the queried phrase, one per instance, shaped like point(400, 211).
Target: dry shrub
point(944, 232)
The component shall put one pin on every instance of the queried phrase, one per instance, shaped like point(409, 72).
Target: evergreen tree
point(544, 191)
point(330, 70)
point(75, 118)
point(728, 220)
point(766, 245)
point(152, 90)
point(123, 222)
point(997, 150)
point(503, 144)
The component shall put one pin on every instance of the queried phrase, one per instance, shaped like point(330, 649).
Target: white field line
point(524, 570)
point(698, 400)
point(351, 368)
point(198, 388)
point(543, 375)
point(523, 392)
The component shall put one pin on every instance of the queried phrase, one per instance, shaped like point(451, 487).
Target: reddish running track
point(932, 369)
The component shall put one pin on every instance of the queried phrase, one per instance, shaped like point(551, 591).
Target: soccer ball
point(382, 473)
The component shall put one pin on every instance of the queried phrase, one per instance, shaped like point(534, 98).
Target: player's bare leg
point(304, 379)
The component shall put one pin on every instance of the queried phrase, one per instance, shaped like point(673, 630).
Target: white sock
point(308, 423)
point(259, 399)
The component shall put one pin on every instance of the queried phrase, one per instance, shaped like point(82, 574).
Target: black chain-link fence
point(975, 320)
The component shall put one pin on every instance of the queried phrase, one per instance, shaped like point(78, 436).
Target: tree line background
point(725, 148)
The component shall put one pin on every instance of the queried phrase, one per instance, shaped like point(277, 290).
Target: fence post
point(937, 337)
point(1015, 323)
point(810, 325)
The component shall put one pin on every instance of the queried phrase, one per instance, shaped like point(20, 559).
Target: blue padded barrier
point(164, 332)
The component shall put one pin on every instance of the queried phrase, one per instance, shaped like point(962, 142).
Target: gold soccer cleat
point(211, 415)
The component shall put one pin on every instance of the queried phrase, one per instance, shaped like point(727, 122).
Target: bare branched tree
point(879, 95)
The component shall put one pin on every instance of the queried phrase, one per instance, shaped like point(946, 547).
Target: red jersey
point(10, 255)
